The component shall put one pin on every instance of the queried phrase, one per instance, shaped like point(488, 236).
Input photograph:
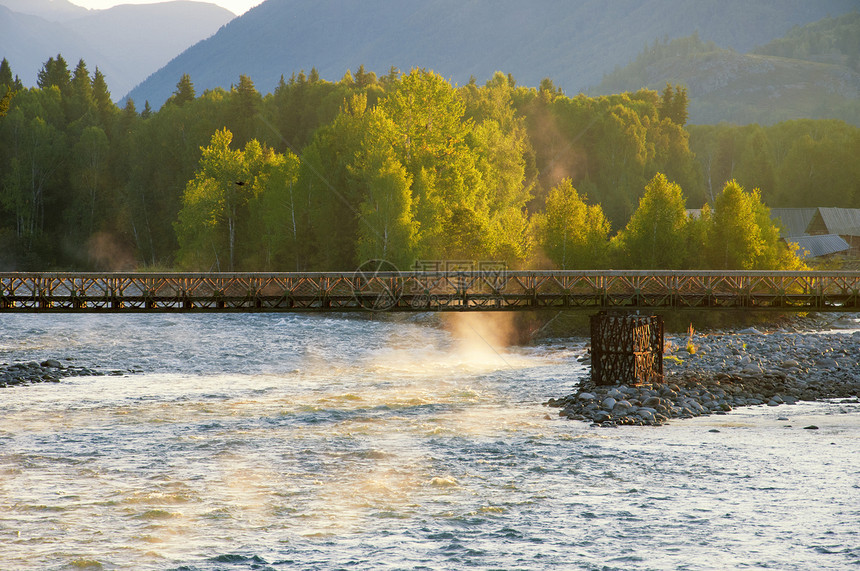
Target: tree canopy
point(401, 166)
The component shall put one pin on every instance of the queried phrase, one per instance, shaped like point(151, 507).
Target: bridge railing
point(429, 291)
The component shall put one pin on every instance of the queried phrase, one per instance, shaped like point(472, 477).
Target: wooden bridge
point(501, 290)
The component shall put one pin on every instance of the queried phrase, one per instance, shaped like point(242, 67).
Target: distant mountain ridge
point(812, 72)
point(51, 10)
point(127, 42)
point(573, 43)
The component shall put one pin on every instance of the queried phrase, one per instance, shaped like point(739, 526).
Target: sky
point(238, 7)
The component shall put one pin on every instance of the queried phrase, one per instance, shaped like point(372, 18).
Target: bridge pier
point(626, 348)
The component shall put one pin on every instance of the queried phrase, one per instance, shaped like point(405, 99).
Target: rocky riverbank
point(48, 371)
point(714, 373)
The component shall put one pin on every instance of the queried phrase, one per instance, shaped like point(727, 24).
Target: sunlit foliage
point(323, 175)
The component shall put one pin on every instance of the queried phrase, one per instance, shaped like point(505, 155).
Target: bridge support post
point(626, 349)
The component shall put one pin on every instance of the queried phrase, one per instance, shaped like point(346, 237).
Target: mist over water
point(281, 442)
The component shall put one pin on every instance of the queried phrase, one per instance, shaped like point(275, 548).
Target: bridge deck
point(428, 291)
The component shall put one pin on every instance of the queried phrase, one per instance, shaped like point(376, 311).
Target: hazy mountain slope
point(831, 40)
point(51, 10)
point(142, 38)
point(574, 43)
point(127, 42)
point(28, 41)
point(822, 82)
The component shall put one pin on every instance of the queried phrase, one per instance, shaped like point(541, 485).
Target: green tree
point(210, 211)
point(6, 74)
point(655, 236)
point(261, 226)
point(101, 96)
point(622, 152)
point(388, 230)
point(91, 154)
point(698, 237)
point(743, 237)
point(506, 163)
point(756, 169)
point(6, 101)
point(232, 210)
point(363, 78)
point(54, 72)
point(35, 163)
point(820, 167)
point(432, 142)
point(667, 102)
point(327, 179)
point(573, 234)
point(673, 104)
point(8, 86)
point(184, 91)
point(278, 216)
point(245, 102)
point(80, 99)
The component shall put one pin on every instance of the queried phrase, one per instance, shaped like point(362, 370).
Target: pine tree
point(55, 72)
point(679, 113)
point(101, 95)
point(80, 100)
point(184, 91)
point(673, 104)
point(7, 87)
point(5, 101)
point(245, 103)
point(666, 103)
point(6, 74)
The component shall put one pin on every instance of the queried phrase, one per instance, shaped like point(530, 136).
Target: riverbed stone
point(777, 368)
point(46, 371)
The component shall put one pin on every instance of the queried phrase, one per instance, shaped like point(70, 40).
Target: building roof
point(815, 246)
point(794, 221)
point(842, 221)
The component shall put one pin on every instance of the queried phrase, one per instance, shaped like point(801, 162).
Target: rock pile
point(712, 374)
point(49, 371)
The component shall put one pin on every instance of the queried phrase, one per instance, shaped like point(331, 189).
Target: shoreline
point(714, 373)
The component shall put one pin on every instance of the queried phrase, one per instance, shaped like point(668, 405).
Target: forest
point(322, 175)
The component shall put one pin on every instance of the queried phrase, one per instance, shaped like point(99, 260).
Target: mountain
point(573, 43)
point(811, 72)
point(28, 41)
point(127, 42)
point(51, 10)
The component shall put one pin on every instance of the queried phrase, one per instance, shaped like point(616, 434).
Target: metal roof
point(794, 221)
point(815, 246)
point(843, 221)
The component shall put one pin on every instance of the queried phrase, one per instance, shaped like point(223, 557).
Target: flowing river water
point(307, 442)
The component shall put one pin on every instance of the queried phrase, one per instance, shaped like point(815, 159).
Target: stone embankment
point(712, 374)
point(48, 371)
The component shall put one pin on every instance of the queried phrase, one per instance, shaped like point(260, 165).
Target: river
point(263, 441)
